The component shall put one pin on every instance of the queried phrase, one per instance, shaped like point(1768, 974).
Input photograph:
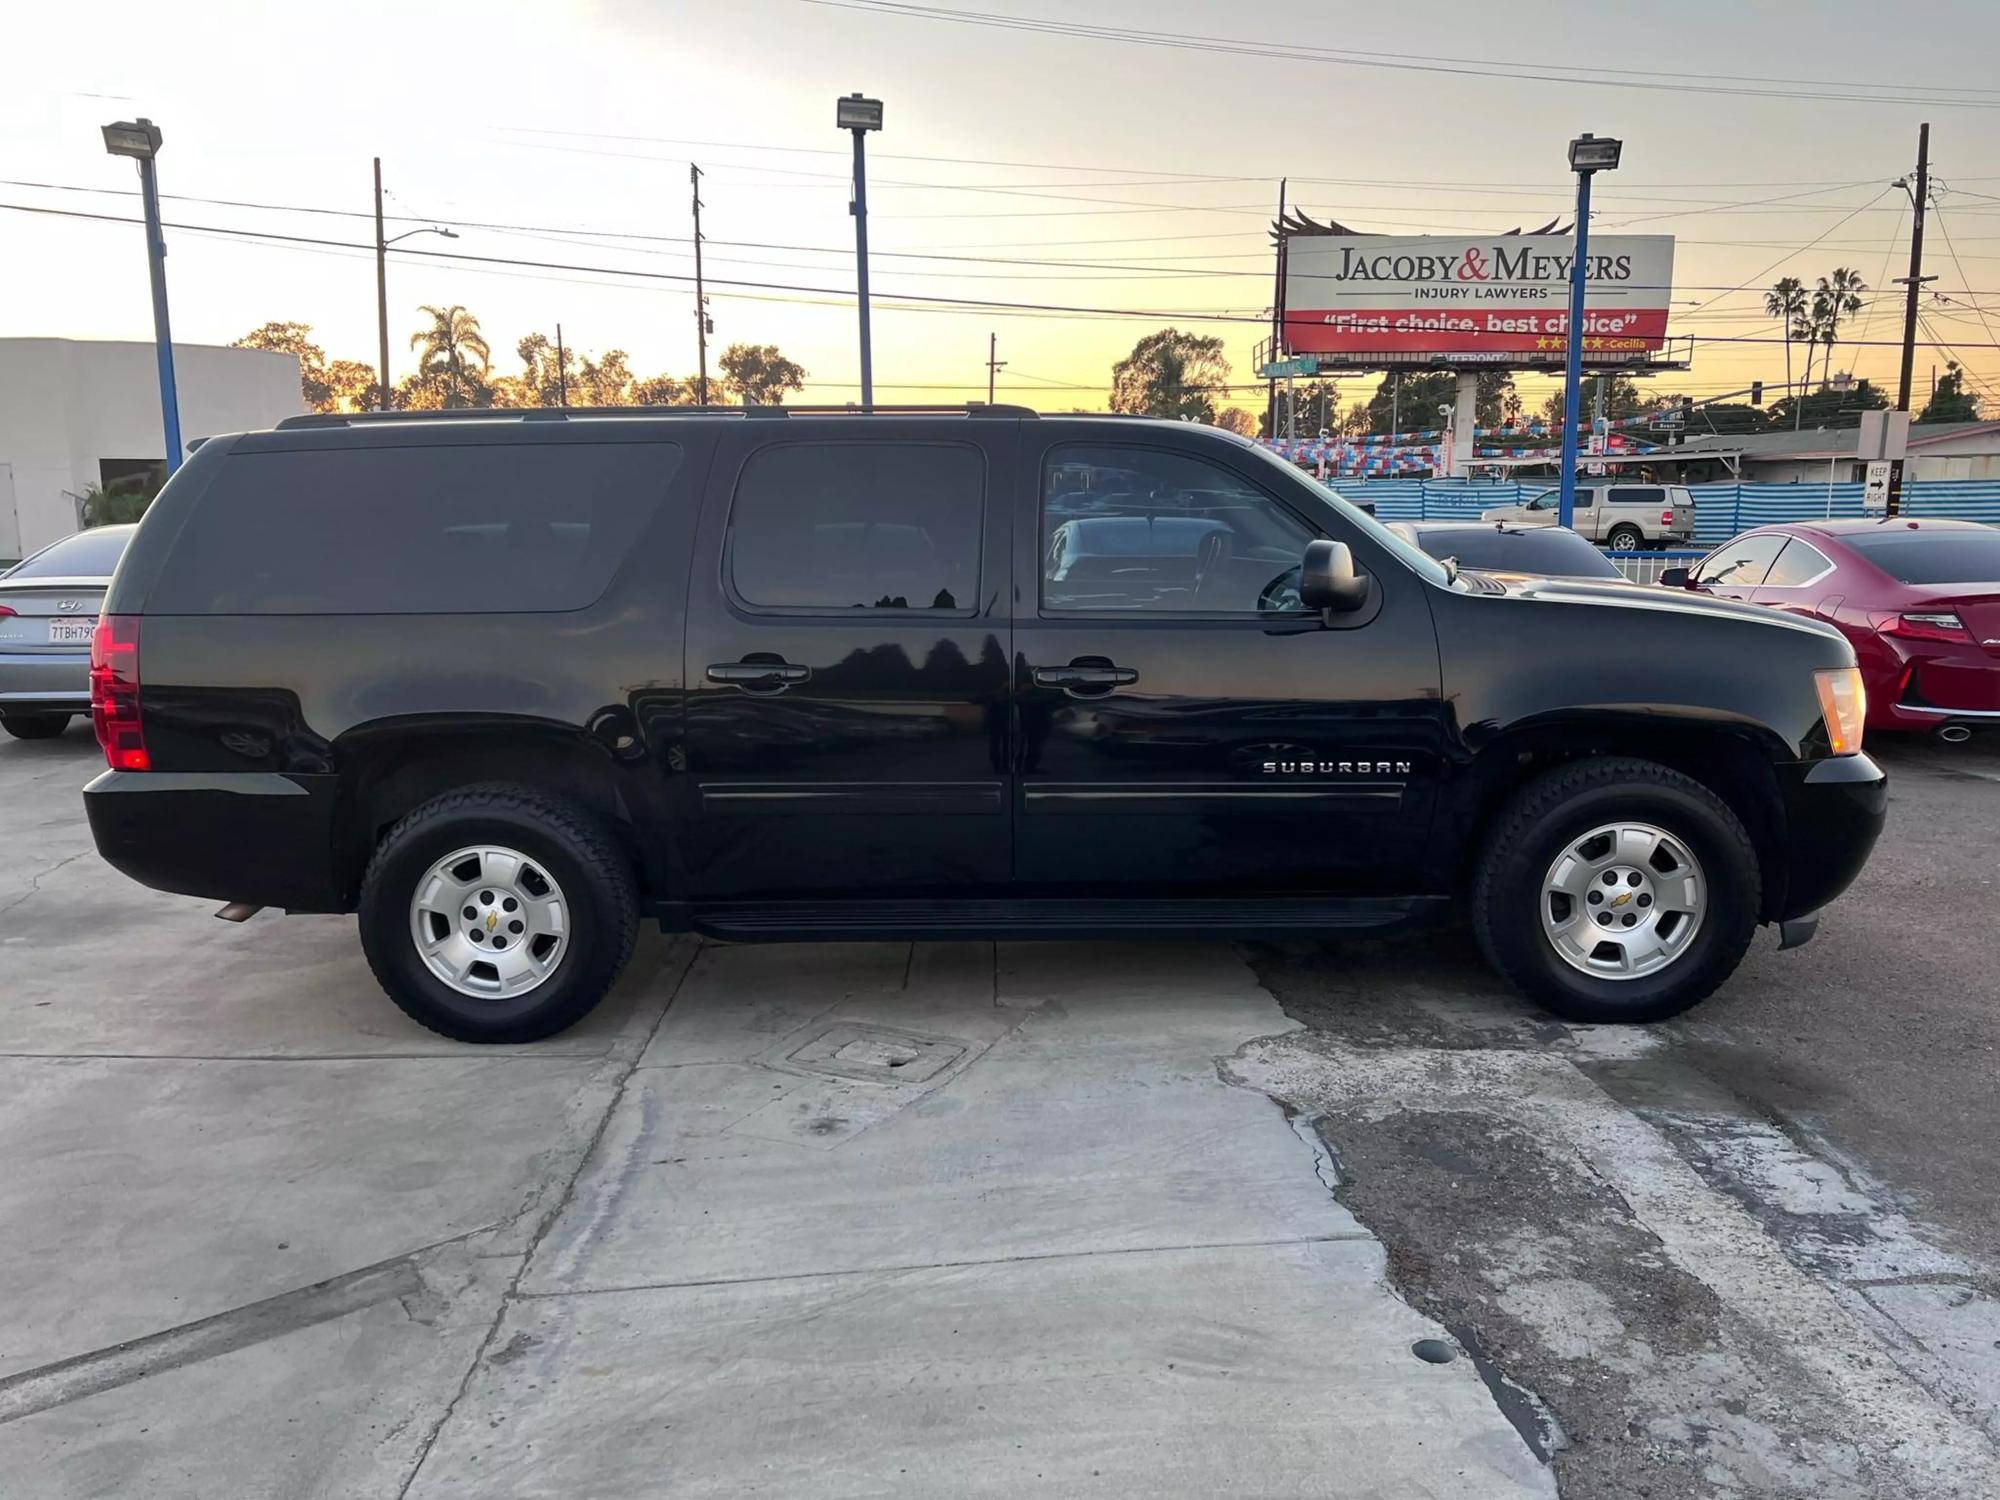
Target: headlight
point(1844, 702)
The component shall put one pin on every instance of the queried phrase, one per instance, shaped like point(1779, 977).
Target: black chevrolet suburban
point(504, 683)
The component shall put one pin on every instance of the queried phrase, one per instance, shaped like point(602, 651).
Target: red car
point(1920, 600)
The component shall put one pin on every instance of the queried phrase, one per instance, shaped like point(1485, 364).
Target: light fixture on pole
point(859, 115)
point(1588, 155)
point(140, 140)
point(384, 398)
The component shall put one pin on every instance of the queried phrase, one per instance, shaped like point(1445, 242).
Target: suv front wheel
point(1616, 890)
point(497, 914)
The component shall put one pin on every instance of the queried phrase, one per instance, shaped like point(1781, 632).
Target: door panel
point(847, 665)
point(1175, 741)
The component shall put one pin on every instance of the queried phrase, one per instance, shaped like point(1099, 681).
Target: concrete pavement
point(880, 1219)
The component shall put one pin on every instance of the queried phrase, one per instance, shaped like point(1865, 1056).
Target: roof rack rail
point(567, 413)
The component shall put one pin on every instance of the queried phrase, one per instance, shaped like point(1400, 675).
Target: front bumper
point(230, 836)
point(1834, 812)
point(34, 682)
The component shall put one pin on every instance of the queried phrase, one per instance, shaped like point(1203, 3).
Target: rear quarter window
point(490, 528)
point(1932, 556)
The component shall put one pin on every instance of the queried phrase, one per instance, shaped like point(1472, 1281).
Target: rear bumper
point(1834, 812)
point(44, 682)
point(241, 836)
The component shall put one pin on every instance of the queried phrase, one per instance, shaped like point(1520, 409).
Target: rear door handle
point(1084, 679)
point(759, 676)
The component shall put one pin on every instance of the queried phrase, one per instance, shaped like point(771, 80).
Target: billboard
point(1494, 300)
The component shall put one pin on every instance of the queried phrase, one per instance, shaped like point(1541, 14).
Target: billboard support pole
point(1464, 420)
point(1573, 357)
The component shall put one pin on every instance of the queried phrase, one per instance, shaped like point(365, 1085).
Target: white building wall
point(66, 404)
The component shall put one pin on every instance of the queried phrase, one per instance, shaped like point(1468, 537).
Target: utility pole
point(562, 369)
point(700, 299)
point(140, 139)
point(992, 364)
point(1914, 281)
point(381, 294)
point(1277, 319)
point(858, 116)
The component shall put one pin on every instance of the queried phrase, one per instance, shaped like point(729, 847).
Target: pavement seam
point(943, 1265)
point(27, 1392)
point(627, 1052)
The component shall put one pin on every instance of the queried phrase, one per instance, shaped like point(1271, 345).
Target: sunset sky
point(1048, 164)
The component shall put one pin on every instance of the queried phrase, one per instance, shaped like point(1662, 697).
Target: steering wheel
point(1214, 548)
point(1281, 595)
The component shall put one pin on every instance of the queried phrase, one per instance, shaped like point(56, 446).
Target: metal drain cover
point(875, 1054)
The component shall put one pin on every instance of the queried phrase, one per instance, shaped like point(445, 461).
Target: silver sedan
point(48, 610)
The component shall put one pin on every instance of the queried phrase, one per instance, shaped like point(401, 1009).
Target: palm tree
point(1786, 301)
point(443, 350)
point(1833, 300)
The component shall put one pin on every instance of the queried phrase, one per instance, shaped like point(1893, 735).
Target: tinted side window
point(1585, 498)
point(1150, 529)
point(1798, 563)
point(1741, 564)
point(1638, 494)
point(858, 525)
point(489, 528)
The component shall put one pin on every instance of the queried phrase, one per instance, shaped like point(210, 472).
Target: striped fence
point(1721, 511)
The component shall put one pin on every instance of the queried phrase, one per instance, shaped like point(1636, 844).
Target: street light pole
point(140, 140)
point(1588, 155)
point(381, 297)
point(384, 398)
point(859, 116)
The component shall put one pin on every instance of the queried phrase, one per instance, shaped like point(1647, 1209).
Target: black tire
point(584, 860)
point(35, 726)
point(1564, 804)
point(1626, 539)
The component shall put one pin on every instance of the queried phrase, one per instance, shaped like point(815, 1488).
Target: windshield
point(1547, 551)
point(1932, 556)
point(88, 554)
point(1413, 557)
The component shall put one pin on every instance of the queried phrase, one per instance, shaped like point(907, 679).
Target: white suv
point(1622, 517)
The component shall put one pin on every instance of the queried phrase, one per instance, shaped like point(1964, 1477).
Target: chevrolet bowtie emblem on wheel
point(493, 917)
point(1621, 898)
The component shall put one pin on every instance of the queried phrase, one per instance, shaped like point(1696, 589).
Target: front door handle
point(1085, 679)
point(759, 676)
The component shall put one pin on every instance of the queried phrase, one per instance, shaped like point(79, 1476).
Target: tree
point(1833, 300)
point(1235, 419)
point(605, 381)
point(759, 375)
point(1414, 408)
point(123, 500)
point(1170, 374)
point(1621, 399)
point(453, 356)
point(1951, 401)
point(295, 339)
point(664, 390)
point(1786, 301)
point(1827, 407)
point(351, 386)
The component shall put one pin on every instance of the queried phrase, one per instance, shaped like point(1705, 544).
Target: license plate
point(72, 632)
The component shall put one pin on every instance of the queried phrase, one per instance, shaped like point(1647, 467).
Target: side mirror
point(1327, 579)
point(1676, 578)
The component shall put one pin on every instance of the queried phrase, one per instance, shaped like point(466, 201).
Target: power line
point(1408, 62)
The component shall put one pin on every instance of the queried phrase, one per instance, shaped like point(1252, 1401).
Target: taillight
point(6, 613)
point(1666, 518)
point(1925, 625)
point(114, 693)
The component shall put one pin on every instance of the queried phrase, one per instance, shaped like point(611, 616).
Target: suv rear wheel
point(1626, 538)
point(34, 726)
point(497, 914)
point(1616, 890)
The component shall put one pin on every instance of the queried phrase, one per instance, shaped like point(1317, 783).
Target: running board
point(1236, 917)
